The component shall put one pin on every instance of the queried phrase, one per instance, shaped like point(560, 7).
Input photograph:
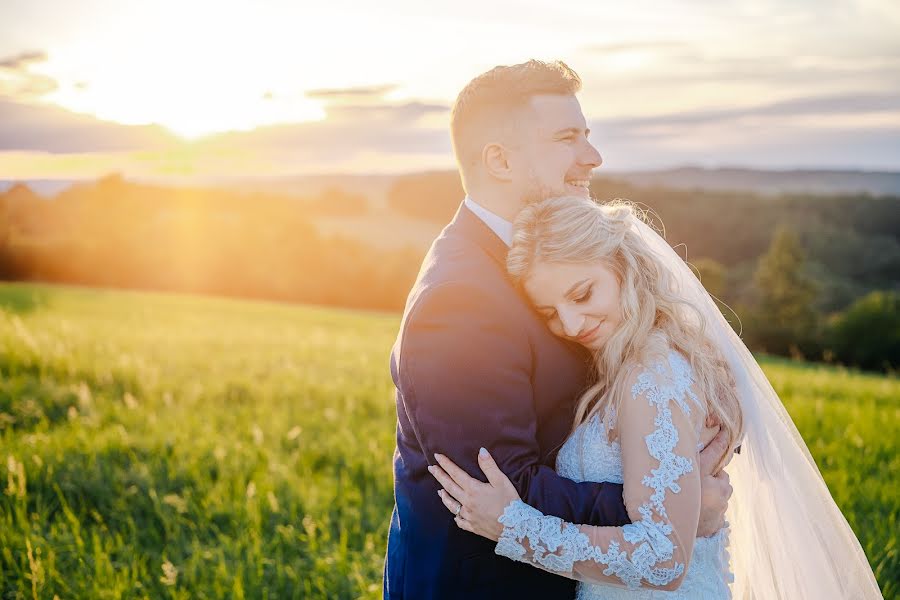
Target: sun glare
point(229, 77)
point(221, 117)
point(189, 108)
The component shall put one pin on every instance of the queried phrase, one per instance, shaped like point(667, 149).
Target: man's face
point(554, 157)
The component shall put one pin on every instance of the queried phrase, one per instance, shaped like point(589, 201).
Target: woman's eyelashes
point(585, 296)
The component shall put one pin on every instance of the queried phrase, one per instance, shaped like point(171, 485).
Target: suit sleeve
point(465, 368)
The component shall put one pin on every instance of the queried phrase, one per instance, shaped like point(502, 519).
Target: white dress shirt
point(497, 224)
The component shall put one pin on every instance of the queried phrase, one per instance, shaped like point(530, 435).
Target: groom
point(475, 366)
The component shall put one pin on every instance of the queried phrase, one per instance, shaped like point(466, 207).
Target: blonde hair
point(492, 99)
point(654, 316)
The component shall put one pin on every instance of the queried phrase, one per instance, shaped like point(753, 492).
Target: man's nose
point(591, 157)
point(571, 322)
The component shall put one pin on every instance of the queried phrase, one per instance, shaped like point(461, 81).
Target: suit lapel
point(467, 224)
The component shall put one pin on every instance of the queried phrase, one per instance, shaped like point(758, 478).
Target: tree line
point(116, 233)
point(811, 276)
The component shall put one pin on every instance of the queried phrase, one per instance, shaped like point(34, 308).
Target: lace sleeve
point(658, 436)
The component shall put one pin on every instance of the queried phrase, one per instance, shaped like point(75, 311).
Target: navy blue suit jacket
point(475, 366)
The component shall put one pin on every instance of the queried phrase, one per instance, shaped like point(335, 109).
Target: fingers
point(708, 434)
point(709, 456)
point(452, 504)
point(461, 478)
point(458, 510)
point(725, 481)
point(447, 482)
point(463, 524)
point(495, 476)
point(720, 442)
point(728, 458)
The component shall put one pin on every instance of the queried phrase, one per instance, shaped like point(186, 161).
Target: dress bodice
point(589, 455)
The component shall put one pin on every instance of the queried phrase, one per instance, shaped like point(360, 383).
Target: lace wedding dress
point(659, 431)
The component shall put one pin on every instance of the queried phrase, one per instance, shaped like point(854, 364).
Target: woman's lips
point(588, 335)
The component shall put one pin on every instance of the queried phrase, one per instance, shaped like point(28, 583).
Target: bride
point(666, 361)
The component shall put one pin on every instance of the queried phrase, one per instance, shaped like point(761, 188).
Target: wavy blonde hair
point(655, 317)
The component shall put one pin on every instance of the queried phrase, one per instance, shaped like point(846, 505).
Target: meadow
point(166, 446)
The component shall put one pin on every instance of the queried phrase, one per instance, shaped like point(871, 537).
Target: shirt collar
point(496, 223)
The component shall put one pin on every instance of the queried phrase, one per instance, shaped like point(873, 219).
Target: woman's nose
point(571, 322)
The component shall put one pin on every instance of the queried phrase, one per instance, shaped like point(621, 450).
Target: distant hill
point(376, 187)
point(767, 182)
point(42, 187)
point(819, 182)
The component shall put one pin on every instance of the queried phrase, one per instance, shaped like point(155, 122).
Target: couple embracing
point(568, 396)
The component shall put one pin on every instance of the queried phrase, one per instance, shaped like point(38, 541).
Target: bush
point(867, 335)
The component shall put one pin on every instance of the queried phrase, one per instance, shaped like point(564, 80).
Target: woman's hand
point(477, 505)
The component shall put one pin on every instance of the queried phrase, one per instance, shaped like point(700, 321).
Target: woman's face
point(581, 301)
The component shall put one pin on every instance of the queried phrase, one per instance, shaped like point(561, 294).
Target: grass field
point(161, 446)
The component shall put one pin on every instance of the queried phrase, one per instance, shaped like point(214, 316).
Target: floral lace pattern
point(555, 545)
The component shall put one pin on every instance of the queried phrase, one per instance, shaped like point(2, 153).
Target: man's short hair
point(495, 95)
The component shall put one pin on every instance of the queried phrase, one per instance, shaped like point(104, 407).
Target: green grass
point(162, 446)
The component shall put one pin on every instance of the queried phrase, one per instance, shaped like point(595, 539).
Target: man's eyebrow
point(574, 287)
point(571, 130)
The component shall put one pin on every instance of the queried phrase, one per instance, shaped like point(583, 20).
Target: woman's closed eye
point(585, 296)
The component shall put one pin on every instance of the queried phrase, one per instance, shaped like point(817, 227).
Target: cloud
point(19, 82)
point(349, 131)
point(374, 92)
point(832, 105)
point(648, 46)
point(23, 60)
point(872, 149)
point(52, 129)
point(833, 131)
point(394, 113)
point(782, 133)
point(794, 57)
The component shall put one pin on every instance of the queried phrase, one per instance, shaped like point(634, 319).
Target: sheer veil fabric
point(788, 540)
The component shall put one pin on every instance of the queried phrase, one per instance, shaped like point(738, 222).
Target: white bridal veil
point(788, 540)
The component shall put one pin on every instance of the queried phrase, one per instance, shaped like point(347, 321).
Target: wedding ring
point(458, 508)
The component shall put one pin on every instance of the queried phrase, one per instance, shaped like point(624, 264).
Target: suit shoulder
point(455, 264)
point(456, 258)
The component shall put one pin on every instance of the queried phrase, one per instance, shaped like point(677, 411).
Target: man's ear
point(496, 162)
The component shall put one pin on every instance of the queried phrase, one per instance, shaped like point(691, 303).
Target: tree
point(868, 334)
point(711, 274)
point(784, 320)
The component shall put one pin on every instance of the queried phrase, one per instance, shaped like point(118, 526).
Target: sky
point(188, 89)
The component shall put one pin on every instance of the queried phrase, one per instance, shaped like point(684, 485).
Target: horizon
point(763, 182)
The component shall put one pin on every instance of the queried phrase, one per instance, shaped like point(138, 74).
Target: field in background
point(167, 446)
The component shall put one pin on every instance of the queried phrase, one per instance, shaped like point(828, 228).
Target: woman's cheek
point(556, 328)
